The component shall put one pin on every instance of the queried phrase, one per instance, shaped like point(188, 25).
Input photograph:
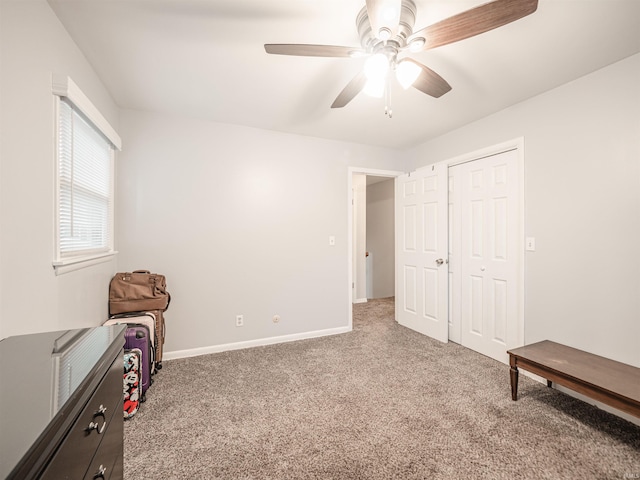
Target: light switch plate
point(530, 244)
point(332, 240)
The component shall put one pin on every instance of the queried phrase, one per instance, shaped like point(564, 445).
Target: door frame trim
point(516, 144)
point(350, 172)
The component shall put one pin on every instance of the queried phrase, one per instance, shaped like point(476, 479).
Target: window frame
point(64, 89)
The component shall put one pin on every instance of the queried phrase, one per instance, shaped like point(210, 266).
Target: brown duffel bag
point(138, 291)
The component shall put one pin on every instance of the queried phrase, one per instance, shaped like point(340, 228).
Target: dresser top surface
point(38, 374)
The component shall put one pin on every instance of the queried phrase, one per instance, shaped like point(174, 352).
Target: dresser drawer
point(100, 419)
point(108, 461)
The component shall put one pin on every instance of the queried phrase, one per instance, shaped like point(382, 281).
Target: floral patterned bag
point(131, 387)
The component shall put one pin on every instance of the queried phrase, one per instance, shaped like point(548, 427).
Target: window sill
point(76, 263)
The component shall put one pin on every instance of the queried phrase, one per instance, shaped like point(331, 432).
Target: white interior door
point(421, 246)
point(489, 250)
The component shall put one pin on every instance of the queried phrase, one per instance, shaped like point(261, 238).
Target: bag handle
point(142, 271)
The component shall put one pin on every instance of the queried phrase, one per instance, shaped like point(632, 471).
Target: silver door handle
point(439, 261)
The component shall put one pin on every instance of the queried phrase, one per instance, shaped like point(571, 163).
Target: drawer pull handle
point(96, 427)
point(100, 412)
point(100, 473)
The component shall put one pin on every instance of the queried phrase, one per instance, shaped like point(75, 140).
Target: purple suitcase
point(137, 336)
point(143, 318)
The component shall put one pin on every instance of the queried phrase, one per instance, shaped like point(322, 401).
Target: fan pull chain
point(387, 100)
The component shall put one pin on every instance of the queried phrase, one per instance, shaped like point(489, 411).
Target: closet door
point(489, 253)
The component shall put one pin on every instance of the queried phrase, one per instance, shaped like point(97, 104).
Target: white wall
point(381, 237)
point(582, 204)
point(239, 220)
point(33, 45)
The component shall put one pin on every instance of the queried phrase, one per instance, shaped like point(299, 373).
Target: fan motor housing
point(370, 42)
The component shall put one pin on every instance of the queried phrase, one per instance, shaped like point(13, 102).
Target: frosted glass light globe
point(376, 66)
point(407, 72)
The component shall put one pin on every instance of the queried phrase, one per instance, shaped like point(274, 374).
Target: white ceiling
point(205, 58)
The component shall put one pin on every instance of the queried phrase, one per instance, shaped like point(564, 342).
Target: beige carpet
point(381, 402)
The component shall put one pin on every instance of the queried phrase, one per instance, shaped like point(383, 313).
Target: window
point(84, 187)
point(85, 160)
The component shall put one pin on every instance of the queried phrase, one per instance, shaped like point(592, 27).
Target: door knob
point(439, 261)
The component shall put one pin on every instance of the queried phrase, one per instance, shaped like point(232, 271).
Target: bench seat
point(608, 381)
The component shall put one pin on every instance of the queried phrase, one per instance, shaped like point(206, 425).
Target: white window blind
point(85, 186)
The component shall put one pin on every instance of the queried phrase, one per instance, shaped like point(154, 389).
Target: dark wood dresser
point(61, 405)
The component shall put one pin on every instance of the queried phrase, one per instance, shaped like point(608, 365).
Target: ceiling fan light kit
point(376, 69)
point(407, 73)
point(375, 87)
point(385, 28)
point(416, 44)
point(376, 66)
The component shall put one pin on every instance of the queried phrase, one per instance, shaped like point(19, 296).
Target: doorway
point(370, 261)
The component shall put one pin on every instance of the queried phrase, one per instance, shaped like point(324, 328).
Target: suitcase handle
point(142, 271)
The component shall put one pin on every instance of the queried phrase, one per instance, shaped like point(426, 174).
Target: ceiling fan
point(386, 35)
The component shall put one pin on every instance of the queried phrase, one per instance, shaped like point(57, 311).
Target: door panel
point(409, 238)
point(410, 294)
point(498, 314)
point(476, 304)
point(430, 294)
point(477, 229)
point(421, 203)
point(430, 222)
point(499, 229)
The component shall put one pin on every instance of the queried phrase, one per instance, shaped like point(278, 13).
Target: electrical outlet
point(239, 320)
point(276, 318)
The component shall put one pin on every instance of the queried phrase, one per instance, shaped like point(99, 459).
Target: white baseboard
point(194, 352)
point(584, 398)
point(360, 300)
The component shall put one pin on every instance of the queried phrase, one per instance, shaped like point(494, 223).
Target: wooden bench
point(613, 383)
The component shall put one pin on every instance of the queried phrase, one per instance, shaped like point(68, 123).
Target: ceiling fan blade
point(350, 91)
point(384, 15)
point(428, 81)
point(474, 22)
point(303, 50)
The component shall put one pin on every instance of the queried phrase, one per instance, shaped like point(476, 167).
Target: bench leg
point(549, 383)
point(514, 382)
